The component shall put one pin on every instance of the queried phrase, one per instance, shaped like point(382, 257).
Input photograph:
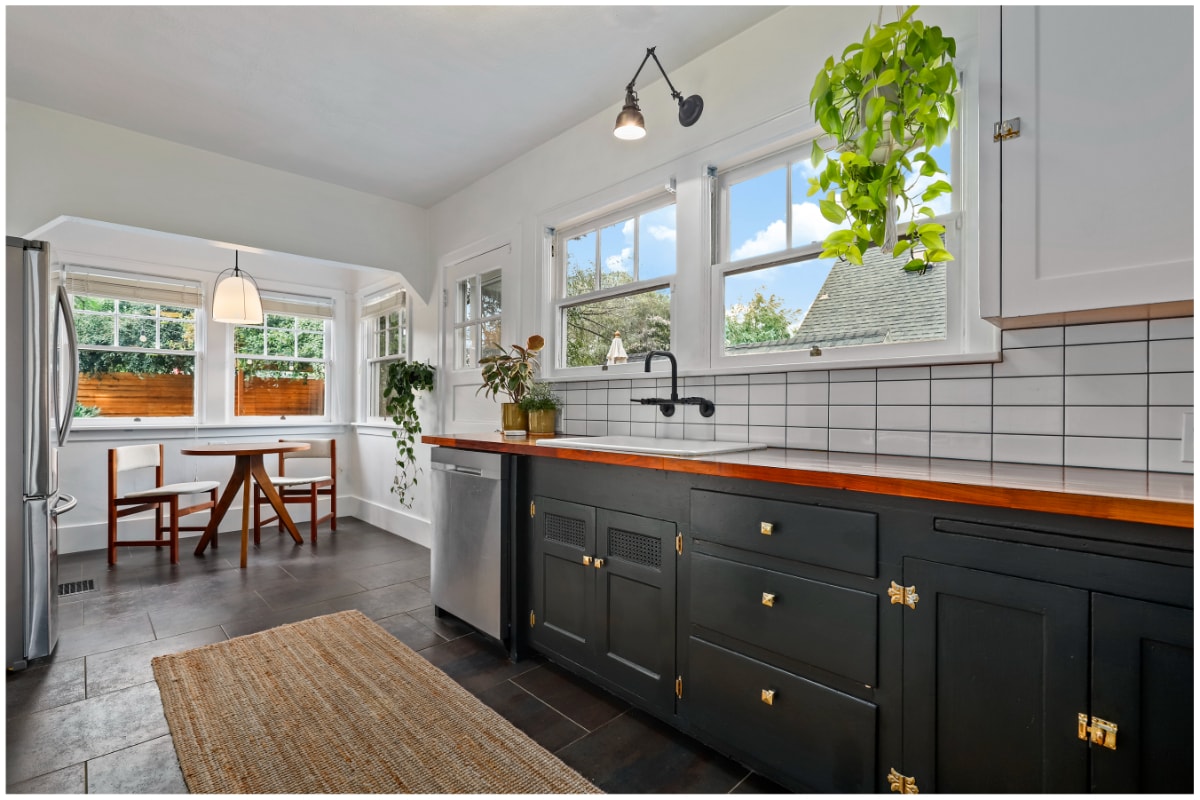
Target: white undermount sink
point(650, 445)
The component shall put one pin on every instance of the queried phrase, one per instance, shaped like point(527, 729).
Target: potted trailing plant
point(402, 381)
point(510, 374)
point(887, 103)
point(539, 404)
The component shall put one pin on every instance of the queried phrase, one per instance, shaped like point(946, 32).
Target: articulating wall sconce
point(631, 124)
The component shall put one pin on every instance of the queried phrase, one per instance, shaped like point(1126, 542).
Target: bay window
point(386, 340)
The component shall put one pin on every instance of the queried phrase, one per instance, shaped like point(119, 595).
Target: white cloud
point(627, 228)
point(661, 232)
point(773, 238)
point(620, 262)
point(808, 225)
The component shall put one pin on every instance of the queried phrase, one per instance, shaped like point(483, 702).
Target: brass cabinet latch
point(679, 542)
point(597, 562)
point(587, 561)
point(532, 508)
point(532, 618)
point(1100, 731)
point(679, 687)
point(902, 783)
point(768, 696)
point(1007, 129)
point(903, 595)
point(766, 528)
point(768, 599)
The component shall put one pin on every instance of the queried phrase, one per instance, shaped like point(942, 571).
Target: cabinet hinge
point(552, 251)
point(902, 783)
point(903, 595)
point(532, 618)
point(445, 298)
point(532, 508)
point(1100, 731)
point(679, 687)
point(679, 542)
point(1006, 129)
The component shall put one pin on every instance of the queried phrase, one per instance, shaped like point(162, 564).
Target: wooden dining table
point(248, 464)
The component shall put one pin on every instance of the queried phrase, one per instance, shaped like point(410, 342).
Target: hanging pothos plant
point(888, 102)
point(402, 381)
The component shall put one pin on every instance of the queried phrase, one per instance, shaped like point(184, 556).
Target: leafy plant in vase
point(510, 374)
point(539, 404)
point(402, 381)
point(887, 103)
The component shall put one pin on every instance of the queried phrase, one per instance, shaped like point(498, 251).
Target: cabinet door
point(563, 586)
point(1084, 224)
point(995, 674)
point(635, 603)
point(1142, 669)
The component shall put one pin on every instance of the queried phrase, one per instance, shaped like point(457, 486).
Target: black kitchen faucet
point(667, 407)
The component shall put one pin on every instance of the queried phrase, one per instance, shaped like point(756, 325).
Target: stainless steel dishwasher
point(467, 561)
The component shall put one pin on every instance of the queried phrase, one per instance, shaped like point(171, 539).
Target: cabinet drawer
point(810, 733)
point(827, 537)
point(827, 626)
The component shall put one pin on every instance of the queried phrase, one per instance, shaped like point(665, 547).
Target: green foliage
point(86, 411)
point(102, 362)
point(511, 373)
point(643, 319)
point(891, 95)
point(540, 398)
point(403, 379)
point(763, 319)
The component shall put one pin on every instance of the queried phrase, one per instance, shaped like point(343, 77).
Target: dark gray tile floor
point(89, 719)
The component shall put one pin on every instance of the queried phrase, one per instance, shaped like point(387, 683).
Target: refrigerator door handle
point(66, 411)
point(65, 503)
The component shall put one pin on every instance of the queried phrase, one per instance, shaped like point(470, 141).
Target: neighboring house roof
point(869, 304)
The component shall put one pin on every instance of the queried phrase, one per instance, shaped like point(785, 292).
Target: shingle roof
point(869, 304)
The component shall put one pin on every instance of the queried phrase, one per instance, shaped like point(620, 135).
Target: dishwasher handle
point(459, 468)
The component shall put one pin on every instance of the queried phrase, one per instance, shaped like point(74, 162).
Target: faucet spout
point(674, 370)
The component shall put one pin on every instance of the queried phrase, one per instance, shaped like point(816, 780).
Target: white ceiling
point(407, 102)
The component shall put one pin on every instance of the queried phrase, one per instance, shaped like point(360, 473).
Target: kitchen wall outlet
point(1189, 437)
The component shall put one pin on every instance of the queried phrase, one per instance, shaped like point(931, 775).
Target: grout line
point(586, 732)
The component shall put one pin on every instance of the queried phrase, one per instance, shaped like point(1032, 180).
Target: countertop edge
point(1076, 501)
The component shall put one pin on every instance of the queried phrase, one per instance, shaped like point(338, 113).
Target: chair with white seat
point(303, 489)
point(145, 456)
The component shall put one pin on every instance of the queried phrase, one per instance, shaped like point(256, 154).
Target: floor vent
point(75, 587)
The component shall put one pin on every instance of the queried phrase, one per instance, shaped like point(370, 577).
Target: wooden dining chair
point(302, 489)
point(146, 456)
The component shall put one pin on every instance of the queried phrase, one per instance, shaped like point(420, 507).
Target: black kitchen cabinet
point(604, 596)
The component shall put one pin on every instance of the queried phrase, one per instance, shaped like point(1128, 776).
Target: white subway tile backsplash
point(1165, 455)
point(903, 393)
point(768, 377)
point(1044, 420)
point(576, 397)
point(618, 412)
point(697, 383)
point(1028, 361)
point(1106, 359)
point(1177, 328)
point(961, 419)
point(852, 416)
point(641, 429)
point(732, 415)
point(577, 427)
point(1032, 337)
point(641, 413)
point(1107, 332)
point(1027, 391)
point(851, 441)
point(815, 376)
point(901, 373)
point(597, 411)
point(771, 436)
point(1166, 422)
point(727, 395)
point(1027, 449)
point(808, 416)
point(808, 438)
point(768, 394)
point(1108, 453)
point(852, 394)
point(768, 415)
point(596, 428)
point(644, 383)
point(705, 431)
point(902, 418)
point(808, 393)
point(668, 430)
point(1106, 390)
point(691, 414)
point(846, 375)
point(961, 371)
point(961, 391)
point(1171, 389)
point(970, 446)
point(619, 395)
point(731, 433)
point(1110, 421)
point(732, 380)
point(902, 443)
point(1172, 355)
point(618, 428)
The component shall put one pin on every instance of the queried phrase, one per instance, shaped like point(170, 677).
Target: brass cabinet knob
point(766, 528)
point(768, 696)
point(768, 599)
point(587, 561)
point(598, 562)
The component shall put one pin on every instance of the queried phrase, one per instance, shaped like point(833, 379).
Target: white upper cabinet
point(1086, 215)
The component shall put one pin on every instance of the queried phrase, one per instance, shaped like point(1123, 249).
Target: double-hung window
point(385, 332)
point(780, 302)
point(137, 344)
point(615, 274)
point(282, 364)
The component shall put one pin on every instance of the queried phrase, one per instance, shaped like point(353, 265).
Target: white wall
point(59, 164)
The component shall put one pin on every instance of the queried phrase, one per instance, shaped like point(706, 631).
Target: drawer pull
point(768, 599)
point(766, 528)
point(768, 696)
point(587, 561)
point(598, 562)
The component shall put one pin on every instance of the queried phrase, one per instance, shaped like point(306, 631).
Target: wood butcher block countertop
point(1157, 498)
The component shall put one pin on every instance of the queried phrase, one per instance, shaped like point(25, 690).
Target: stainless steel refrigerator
point(41, 382)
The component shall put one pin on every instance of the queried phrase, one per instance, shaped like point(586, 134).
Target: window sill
point(135, 431)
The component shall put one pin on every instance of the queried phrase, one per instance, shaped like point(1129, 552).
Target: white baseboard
point(94, 535)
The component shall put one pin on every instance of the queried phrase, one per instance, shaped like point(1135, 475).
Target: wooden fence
point(275, 397)
point(124, 394)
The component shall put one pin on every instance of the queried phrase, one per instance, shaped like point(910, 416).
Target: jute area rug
point(337, 704)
